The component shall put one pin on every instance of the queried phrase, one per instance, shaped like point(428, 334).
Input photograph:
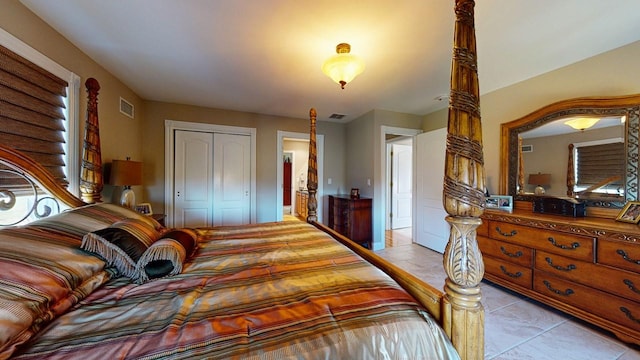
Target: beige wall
point(616, 72)
point(120, 135)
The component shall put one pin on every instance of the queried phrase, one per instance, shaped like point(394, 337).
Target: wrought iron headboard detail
point(30, 204)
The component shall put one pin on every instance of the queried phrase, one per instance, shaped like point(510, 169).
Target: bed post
point(312, 170)
point(463, 194)
point(91, 181)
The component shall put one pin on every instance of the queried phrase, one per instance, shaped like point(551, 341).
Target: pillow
point(166, 256)
point(122, 244)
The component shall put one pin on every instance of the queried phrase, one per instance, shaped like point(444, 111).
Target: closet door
point(193, 185)
point(231, 179)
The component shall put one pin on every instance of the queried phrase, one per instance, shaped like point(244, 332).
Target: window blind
point(599, 162)
point(32, 114)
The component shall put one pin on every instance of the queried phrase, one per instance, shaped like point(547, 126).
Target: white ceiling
point(264, 56)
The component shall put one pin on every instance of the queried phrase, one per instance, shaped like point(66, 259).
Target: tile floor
point(516, 327)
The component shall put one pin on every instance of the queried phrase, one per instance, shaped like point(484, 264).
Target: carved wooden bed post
point(312, 170)
point(91, 181)
point(463, 194)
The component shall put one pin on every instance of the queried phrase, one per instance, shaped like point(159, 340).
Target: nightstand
point(159, 218)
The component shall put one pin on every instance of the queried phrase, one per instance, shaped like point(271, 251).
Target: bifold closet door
point(212, 179)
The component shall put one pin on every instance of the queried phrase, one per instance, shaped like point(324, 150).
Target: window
point(38, 109)
point(602, 165)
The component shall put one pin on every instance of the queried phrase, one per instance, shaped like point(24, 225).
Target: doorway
point(399, 200)
point(300, 160)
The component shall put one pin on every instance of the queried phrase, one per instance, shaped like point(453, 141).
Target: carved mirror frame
point(628, 106)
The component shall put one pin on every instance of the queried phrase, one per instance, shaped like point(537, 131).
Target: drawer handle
point(559, 292)
point(626, 257)
point(558, 267)
point(573, 246)
point(631, 286)
point(509, 234)
point(629, 314)
point(515, 276)
point(517, 254)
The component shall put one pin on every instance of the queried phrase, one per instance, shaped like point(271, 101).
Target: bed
point(88, 279)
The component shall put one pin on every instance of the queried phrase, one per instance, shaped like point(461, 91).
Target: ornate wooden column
point(312, 170)
point(91, 181)
point(463, 193)
point(571, 173)
point(520, 167)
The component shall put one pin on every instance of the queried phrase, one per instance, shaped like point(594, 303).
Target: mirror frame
point(628, 105)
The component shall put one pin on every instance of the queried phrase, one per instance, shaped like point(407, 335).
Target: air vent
point(126, 108)
point(527, 148)
point(337, 116)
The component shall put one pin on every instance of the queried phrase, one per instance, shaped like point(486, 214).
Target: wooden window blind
point(599, 162)
point(32, 113)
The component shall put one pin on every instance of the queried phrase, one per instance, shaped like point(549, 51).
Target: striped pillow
point(166, 256)
point(122, 244)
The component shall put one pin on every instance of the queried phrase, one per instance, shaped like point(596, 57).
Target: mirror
point(604, 108)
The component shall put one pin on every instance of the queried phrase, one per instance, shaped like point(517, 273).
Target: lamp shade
point(126, 173)
point(343, 67)
point(540, 179)
point(581, 123)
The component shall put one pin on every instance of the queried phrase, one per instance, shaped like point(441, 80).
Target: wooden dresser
point(587, 267)
point(302, 197)
point(351, 218)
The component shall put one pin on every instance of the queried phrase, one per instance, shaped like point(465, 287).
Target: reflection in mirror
point(596, 163)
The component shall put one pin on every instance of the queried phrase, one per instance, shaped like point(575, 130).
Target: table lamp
point(126, 173)
point(540, 181)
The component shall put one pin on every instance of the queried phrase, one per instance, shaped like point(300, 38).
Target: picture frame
point(355, 193)
point(499, 202)
point(630, 212)
point(144, 208)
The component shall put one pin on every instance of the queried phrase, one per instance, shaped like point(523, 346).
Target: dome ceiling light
point(343, 67)
point(581, 123)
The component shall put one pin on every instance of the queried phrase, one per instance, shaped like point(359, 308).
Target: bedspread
point(264, 291)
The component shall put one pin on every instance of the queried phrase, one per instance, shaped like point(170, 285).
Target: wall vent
point(126, 108)
point(337, 116)
point(527, 148)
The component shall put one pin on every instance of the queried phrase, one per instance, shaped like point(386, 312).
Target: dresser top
point(588, 226)
point(348, 197)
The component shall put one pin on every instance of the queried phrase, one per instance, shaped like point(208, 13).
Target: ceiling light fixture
point(343, 67)
point(581, 123)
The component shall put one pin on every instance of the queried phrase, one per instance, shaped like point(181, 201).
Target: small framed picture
point(499, 202)
point(144, 208)
point(630, 212)
point(355, 193)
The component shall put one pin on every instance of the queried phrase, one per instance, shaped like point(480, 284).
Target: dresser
point(351, 218)
point(586, 267)
point(302, 198)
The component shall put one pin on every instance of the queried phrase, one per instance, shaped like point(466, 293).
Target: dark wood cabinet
point(351, 218)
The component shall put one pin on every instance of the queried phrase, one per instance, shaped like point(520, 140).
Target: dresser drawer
point(483, 229)
point(516, 274)
point(575, 246)
point(607, 306)
point(624, 255)
point(516, 254)
point(619, 282)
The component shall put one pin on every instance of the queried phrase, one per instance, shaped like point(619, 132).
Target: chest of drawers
point(589, 268)
point(351, 218)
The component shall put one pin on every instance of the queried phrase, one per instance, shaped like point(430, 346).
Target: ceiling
point(264, 56)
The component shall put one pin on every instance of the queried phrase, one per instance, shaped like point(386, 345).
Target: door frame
point(169, 133)
point(279, 180)
point(389, 177)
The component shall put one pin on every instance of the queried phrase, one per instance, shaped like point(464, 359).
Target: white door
point(401, 175)
point(432, 230)
point(193, 169)
point(231, 179)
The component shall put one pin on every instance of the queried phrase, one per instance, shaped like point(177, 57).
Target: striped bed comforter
point(264, 291)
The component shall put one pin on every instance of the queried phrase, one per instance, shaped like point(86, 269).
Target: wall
point(267, 127)
point(616, 72)
point(120, 135)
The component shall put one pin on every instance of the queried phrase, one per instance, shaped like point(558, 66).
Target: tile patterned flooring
point(516, 327)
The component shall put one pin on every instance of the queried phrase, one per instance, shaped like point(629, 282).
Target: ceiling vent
point(126, 108)
point(337, 116)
